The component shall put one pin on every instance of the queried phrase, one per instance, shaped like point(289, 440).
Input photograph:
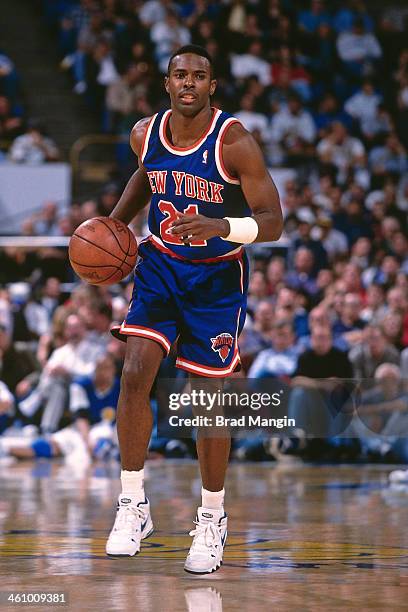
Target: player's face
point(189, 84)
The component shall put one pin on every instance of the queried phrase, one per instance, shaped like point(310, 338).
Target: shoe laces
point(129, 518)
point(206, 535)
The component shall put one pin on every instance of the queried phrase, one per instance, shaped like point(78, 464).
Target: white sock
point(212, 499)
point(133, 484)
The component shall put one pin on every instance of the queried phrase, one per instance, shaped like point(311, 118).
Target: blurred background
point(323, 87)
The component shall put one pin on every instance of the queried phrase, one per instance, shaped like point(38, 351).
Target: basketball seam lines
point(114, 235)
point(97, 246)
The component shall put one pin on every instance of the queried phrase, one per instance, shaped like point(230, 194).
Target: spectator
point(302, 277)
point(371, 353)
point(311, 19)
point(306, 220)
point(76, 357)
point(257, 337)
point(389, 158)
point(312, 399)
point(363, 104)
point(251, 63)
point(168, 35)
point(123, 92)
point(358, 50)
point(10, 122)
point(341, 150)
point(279, 361)
point(34, 147)
point(292, 132)
point(349, 325)
point(251, 119)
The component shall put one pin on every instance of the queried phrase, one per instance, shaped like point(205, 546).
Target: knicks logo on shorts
point(222, 345)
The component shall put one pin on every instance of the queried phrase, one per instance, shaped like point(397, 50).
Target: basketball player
point(210, 194)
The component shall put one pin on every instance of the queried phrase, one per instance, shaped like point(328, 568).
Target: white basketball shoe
point(133, 523)
point(207, 548)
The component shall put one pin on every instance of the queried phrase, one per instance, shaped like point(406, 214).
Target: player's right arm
point(137, 192)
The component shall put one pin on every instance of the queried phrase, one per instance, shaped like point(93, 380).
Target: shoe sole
point(214, 569)
point(134, 554)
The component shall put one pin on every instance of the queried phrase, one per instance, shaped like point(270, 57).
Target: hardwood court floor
point(309, 537)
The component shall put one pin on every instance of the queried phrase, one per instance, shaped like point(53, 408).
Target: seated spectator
point(374, 309)
point(280, 361)
point(306, 221)
point(292, 132)
point(381, 422)
point(46, 221)
point(389, 158)
point(287, 72)
point(371, 353)
point(302, 276)
point(100, 71)
point(345, 16)
point(93, 402)
point(256, 337)
point(312, 400)
point(288, 307)
point(250, 119)
point(364, 103)
point(251, 63)
point(349, 325)
point(343, 151)
point(358, 50)
point(122, 93)
point(257, 290)
point(168, 34)
point(310, 20)
point(333, 242)
point(34, 147)
point(329, 112)
point(377, 125)
point(76, 357)
point(275, 274)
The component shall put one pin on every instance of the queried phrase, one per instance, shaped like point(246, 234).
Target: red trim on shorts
point(203, 370)
point(145, 332)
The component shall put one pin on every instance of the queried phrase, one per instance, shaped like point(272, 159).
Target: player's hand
point(199, 227)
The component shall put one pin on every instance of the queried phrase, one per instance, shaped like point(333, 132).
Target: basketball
point(103, 251)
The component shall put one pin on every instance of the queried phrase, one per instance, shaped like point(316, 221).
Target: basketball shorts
point(201, 304)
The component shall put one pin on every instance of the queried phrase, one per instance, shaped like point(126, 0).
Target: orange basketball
point(103, 251)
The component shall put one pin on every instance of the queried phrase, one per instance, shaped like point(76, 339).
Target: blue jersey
point(190, 180)
point(99, 406)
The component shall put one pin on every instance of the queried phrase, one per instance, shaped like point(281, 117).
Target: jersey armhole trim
point(218, 152)
point(146, 137)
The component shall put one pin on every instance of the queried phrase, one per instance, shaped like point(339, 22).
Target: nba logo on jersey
point(222, 344)
point(205, 155)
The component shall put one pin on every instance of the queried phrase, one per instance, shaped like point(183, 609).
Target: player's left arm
point(244, 160)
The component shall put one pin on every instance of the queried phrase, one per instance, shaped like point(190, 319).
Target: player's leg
point(213, 449)
point(134, 425)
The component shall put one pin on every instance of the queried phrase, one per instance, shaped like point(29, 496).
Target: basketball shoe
point(133, 523)
point(210, 534)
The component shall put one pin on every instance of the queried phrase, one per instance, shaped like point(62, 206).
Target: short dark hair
point(196, 50)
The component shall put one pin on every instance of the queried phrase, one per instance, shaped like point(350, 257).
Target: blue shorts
point(202, 304)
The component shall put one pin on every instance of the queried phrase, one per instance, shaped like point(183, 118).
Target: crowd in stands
point(22, 139)
point(324, 89)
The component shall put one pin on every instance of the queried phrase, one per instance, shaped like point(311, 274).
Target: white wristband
point(242, 229)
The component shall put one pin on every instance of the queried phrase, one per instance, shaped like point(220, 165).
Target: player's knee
point(133, 379)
